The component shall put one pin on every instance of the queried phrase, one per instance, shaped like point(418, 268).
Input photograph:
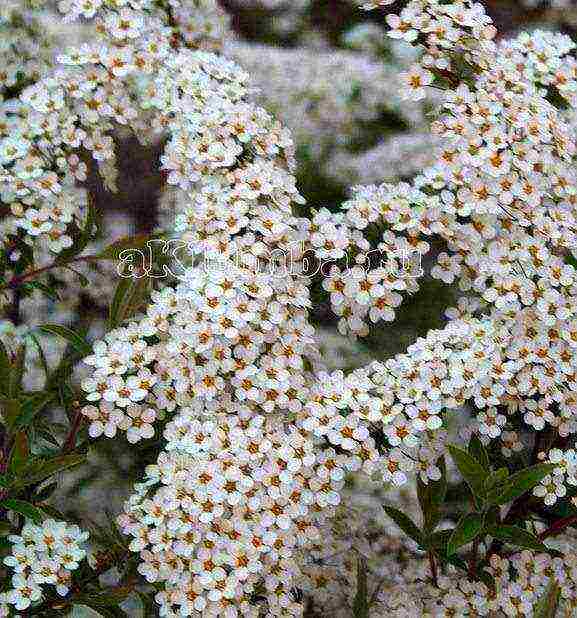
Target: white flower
point(415, 82)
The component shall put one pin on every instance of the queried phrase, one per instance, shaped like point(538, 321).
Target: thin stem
point(474, 558)
point(70, 442)
point(15, 282)
point(433, 567)
point(558, 527)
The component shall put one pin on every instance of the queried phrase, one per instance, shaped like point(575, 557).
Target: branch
point(558, 527)
point(15, 282)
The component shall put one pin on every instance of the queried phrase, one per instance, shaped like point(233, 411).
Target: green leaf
point(41, 354)
point(361, 602)
point(472, 471)
point(432, 496)
point(469, 528)
point(23, 508)
point(52, 512)
point(45, 468)
point(83, 280)
point(496, 479)
point(20, 453)
point(478, 451)
point(520, 483)
point(104, 598)
point(517, 536)
point(148, 603)
point(17, 372)
point(5, 529)
point(78, 342)
point(129, 297)
point(5, 369)
point(31, 406)
point(405, 524)
point(9, 411)
point(105, 612)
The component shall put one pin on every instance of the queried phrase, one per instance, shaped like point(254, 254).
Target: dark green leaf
point(31, 406)
point(17, 372)
point(5, 368)
point(478, 451)
point(432, 496)
point(148, 603)
point(469, 528)
point(113, 250)
point(405, 524)
point(361, 602)
point(10, 411)
point(104, 598)
point(52, 512)
point(105, 612)
point(5, 529)
point(41, 354)
point(496, 479)
point(519, 483)
point(516, 536)
point(472, 471)
point(78, 342)
point(44, 468)
point(129, 297)
point(84, 281)
point(23, 508)
point(20, 453)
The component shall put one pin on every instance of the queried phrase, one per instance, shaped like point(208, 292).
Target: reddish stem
point(433, 566)
point(19, 280)
point(558, 527)
point(70, 442)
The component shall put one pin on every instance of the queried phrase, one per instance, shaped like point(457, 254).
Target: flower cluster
point(44, 554)
point(225, 513)
point(94, 89)
point(260, 436)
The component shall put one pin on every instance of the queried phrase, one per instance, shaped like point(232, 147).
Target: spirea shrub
point(437, 482)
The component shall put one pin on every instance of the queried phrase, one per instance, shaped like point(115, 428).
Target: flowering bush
point(436, 482)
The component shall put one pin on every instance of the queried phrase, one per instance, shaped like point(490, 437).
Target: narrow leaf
point(469, 528)
point(9, 411)
point(517, 536)
point(81, 238)
point(5, 369)
point(78, 342)
point(361, 602)
point(496, 479)
point(432, 496)
point(478, 451)
point(45, 468)
point(23, 508)
point(405, 524)
point(520, 483)
point(129, 297)
point(31, 406)
point(472, 471)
